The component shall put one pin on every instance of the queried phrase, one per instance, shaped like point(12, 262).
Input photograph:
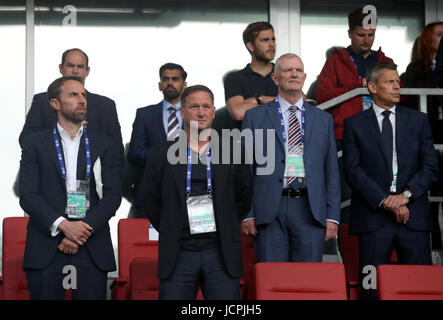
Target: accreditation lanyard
point(282, 121)
point(60, 156)
point(208, 172)
point(355, 64)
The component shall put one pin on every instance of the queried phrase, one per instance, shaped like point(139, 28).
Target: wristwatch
point(258, 98)
point(407, 194)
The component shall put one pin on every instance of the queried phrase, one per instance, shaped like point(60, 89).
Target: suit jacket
point(165, 186)
point(147, 131)
point(320, 161)
point(43, 197)
point(367, 170)
point(102, 117)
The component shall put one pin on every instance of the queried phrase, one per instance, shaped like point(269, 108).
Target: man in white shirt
point(69, 207)
point(297, 206)
point(390, 162)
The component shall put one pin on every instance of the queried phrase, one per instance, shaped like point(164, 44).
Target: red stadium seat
point(132, 243)
point(349, 254)
point(144, 284)
point(300, 281)
point(15, 285)
point(409, 282)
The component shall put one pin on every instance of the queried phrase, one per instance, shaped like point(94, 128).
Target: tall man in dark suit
point(70, 187)
point(296, 206)
point(155, 124)
point(390, 162)
point(197, 206)
point(102, 114)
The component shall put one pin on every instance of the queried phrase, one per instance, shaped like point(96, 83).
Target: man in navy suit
point(390, 162)
point(70, 187)
point(156, 124)
point(296, 206)
point(102, 114)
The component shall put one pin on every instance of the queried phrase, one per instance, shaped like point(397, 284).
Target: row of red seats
point(137, 260)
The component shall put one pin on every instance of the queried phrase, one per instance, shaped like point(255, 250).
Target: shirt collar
point(379, 110)
point(285, 105)
point(250, 71)
point(65, 135)
point(166, 106)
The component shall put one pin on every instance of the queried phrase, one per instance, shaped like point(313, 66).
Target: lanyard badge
point(200, 208)
point(294, 164)
point(77, 192)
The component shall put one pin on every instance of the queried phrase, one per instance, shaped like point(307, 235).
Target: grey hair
point(286, 55)
point(373, 72)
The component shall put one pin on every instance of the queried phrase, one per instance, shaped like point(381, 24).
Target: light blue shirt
point(166, 106)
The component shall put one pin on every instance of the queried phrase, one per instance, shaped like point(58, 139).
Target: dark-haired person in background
point(344, 71)
point(389, 162)
point(102, 113)
point(156, 124)
point(70, 187)
point(420, 74)
point(252, 86)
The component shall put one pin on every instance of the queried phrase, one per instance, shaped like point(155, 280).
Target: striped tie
point(294, 135)
point(172, 123)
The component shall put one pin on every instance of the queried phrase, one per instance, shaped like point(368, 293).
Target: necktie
point(294, 135)
point(387, 137)
point(172, 123)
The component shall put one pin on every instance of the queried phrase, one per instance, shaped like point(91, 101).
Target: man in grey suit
point(296, 207)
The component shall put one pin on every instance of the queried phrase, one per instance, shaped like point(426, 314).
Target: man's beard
point(171, 95)
point(74, 117)
point(262, 58)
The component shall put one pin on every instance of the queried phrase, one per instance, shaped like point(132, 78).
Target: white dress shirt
point(70, 152)
point(378, 114)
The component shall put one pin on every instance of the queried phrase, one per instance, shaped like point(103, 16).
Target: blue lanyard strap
point(282, 121)
point(208, 171)
point(60, 156)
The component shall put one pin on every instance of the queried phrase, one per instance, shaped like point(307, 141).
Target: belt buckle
point(297, 194)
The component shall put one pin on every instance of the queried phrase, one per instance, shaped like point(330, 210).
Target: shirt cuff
point(332, 220)
point(54, 228)
point(248, 219)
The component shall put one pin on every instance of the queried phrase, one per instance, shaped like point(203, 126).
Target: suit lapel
point(52, 151)
point(81, 160)
point(400, 135)
point(276, 123)
point(309, 121)
point(159, 116)
point(219, 174)
point(179, 176)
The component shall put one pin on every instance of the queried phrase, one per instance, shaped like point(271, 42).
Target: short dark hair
point(373, 72)
point(192, 89)
point(74, 49)
point(54, 88)
point(173, 66)
point(252, 30)
point(355, 18)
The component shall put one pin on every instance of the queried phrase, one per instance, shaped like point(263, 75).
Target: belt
point(291, 193)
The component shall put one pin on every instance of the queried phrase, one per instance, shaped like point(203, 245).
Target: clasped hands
point(397, 205)
point(76, 234)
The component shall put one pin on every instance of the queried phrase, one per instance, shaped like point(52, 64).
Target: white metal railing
point(423, 93)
